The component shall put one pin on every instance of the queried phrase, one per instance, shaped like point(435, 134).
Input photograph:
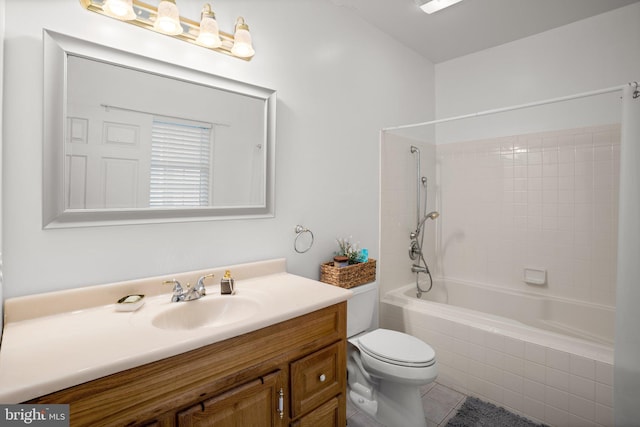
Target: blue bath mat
point(477, 413)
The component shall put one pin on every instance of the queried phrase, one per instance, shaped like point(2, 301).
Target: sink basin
point(206, 312)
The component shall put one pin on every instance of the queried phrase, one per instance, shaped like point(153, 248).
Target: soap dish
point(130, 303)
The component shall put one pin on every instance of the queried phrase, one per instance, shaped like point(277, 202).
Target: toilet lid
point(397, 348)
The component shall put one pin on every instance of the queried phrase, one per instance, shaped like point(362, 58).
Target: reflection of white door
point(107, 159)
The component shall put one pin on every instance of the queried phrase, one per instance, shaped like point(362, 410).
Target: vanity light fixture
point(209, 35)
point(242, 45)
point(165, 19)
point(436, 5)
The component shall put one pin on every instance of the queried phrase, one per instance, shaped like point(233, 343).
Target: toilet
point(385, 368)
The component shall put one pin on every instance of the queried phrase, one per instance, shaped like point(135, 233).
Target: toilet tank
point(361, 308)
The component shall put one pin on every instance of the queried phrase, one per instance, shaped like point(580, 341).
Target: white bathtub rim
point(529, 292)
point(579, 327)
point(501, 325)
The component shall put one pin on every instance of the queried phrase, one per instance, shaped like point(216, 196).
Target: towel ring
point(301, 230)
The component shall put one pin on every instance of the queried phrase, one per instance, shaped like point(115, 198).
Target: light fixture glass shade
point(119, 9)
point(168, 18)
point(209, 34)
point(242, 45)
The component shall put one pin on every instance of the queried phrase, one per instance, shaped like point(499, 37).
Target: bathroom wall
point(327, 155)
point(546, 201)
point(595, 53)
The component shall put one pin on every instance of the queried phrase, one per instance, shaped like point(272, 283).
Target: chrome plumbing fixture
point(179, 294)
point(414, 250)
point(417, 236)
point(415, 268)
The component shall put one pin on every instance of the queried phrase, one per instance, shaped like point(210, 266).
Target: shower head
point(414, 149)
point(431, 215)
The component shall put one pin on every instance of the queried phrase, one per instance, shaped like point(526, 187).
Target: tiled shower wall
point(546, 201)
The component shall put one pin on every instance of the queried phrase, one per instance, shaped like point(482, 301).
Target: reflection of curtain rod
point(108, 107)
point(514, 107)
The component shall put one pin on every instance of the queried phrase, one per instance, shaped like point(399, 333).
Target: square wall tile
point(583, 408)
point(583, 367)
point(534, 390)
point(556, 398)
point(557, 379)
point(582, 387)
point(556, 417)
point(535, 372)
point(535, 353)
point(604, 415)
point(604, 373)
point(557, 359)
point(604, 395)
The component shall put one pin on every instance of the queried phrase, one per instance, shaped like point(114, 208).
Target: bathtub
point(549, 359)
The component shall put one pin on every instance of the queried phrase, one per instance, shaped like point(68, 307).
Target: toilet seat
point(396, 348)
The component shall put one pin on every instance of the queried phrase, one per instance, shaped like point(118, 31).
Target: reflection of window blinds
point(180, 163)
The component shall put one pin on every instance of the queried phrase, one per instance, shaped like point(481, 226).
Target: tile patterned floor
point(440, 404)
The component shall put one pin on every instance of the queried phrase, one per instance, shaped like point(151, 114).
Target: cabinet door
point(253, 404)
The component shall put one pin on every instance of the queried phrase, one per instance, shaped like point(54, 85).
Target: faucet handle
point(172, 282)
point(200, 285)
point(177, 289)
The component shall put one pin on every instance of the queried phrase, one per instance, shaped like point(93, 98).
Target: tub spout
point(419, 269)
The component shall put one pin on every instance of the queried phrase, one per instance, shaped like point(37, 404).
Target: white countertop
point(41, 354)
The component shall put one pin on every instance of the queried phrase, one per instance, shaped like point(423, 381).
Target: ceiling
point(472, 25)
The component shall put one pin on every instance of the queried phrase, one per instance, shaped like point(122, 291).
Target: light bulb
point(242, 40)
point(168, 18)
point(119, 9)
point(209, 35)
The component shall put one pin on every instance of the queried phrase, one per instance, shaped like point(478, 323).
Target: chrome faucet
point(179, 294)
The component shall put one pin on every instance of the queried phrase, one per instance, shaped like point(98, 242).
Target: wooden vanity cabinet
point(289, 374)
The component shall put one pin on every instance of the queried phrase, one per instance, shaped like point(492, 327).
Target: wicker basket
point(349, 276)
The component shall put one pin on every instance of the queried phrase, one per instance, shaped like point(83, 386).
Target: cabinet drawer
point(327, 415)
point(317, 378)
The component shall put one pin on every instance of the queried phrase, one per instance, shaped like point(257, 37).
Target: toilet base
point(393, 405)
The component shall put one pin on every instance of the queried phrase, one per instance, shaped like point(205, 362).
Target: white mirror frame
point(57, 48)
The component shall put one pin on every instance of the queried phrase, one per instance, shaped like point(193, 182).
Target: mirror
point(130, 139)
